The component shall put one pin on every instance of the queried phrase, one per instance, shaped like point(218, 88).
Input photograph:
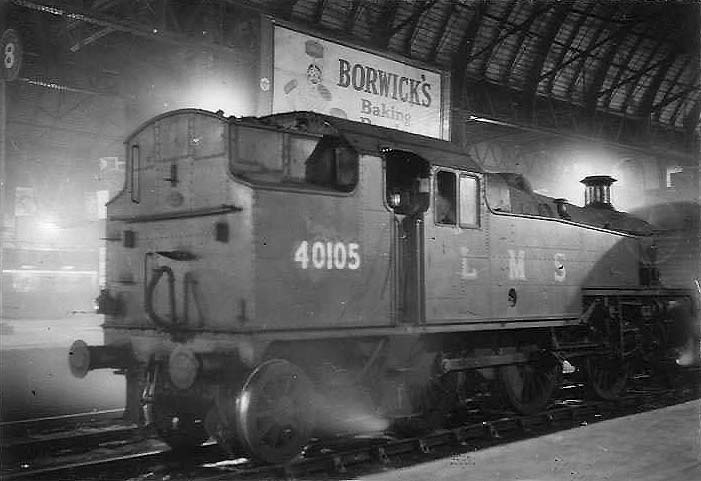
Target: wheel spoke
point(519, 382)
point(532, 383)
point(271, 435)
point(264, 424)
point(528, 387)
point(607, 377)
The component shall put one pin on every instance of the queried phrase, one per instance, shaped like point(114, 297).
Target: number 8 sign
point(11, 52)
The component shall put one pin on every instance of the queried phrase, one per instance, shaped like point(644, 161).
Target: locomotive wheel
point(182, 431)
point(274, 411)
point(607, 376)
point(528, 387)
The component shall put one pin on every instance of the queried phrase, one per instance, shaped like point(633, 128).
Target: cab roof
point(372, 139)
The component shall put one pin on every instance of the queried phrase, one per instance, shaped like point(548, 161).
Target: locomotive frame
point(271, 278)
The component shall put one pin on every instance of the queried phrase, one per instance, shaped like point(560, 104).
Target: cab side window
point(271, 156)
point(445, 200)
point(469, 201)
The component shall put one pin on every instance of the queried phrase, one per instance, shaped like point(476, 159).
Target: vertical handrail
point(420, 314)
point(397, 290)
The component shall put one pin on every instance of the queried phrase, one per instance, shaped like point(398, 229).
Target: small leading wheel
point(274, 411)
point(607, 376)
point(528, 387)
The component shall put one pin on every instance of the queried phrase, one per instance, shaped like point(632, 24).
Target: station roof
point(633, 58)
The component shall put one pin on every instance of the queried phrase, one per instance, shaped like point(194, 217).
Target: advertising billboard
point(310, 73)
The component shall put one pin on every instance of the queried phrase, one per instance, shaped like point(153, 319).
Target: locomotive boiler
point(272, 278)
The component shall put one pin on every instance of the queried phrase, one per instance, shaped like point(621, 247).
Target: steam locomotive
point(273, 278)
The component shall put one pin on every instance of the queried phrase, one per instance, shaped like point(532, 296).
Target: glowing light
point(225, 463)
point(579, 161)
point(687, 356)
point(369, 423)
point(215, 96)
point(48, 225)
point(567, 368)
point(395, 200)
point(244, 401)
point(26, 269)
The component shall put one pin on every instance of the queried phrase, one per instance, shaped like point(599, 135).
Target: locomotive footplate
point(581, 349)
point(563, 351)
point(475, 362)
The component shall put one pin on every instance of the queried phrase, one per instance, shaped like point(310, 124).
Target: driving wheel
point(607, 376)
point(274, 411)
point(528, 387)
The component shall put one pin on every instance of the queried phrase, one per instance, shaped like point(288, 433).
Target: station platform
point(35, 380)
point(660, 445)
point(49, 333)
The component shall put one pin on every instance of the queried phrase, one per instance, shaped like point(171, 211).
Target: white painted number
point(301, 254)
point(318, 255)
point(339, 255)
point(328, 255)
point(353, 256)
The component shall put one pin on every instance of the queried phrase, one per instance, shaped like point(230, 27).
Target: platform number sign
point(11, 51)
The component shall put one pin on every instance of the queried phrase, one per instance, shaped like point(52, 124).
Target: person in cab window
point(445, 198)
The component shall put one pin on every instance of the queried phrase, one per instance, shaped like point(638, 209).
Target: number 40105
point(328, 255)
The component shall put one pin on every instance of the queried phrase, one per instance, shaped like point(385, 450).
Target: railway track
point(377, 455)
point(43, 425)
point(23, 450)
point(345, 456)
point(24, 441)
